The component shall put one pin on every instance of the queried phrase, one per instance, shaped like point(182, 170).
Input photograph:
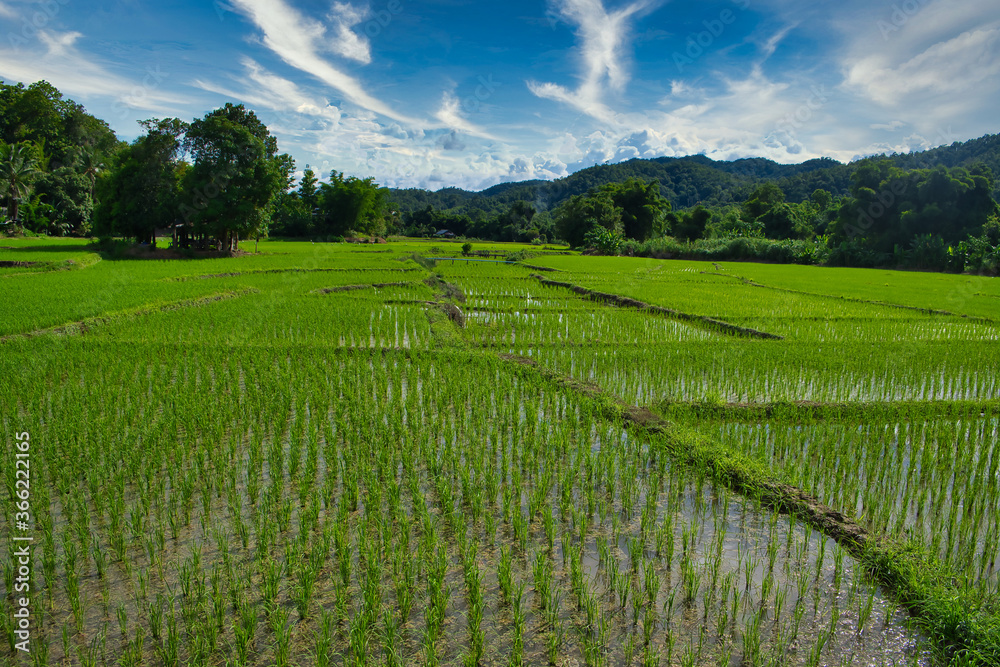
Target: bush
point(730, 248)
point(466, 249)
point(605, 241)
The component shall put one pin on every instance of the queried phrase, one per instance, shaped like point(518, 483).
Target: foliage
point(68, 191)
point(642, 207)
point(583, 213)
point(689, 225)
point(605, 241)
point(351, 206)
point(17, 176)
point(141, 193)
point(236, 177)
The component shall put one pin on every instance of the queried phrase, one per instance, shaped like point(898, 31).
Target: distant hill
point(697, 179)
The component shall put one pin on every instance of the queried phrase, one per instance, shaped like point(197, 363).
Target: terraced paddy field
point(336, 454)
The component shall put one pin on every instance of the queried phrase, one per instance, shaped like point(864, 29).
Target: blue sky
point(471, 93)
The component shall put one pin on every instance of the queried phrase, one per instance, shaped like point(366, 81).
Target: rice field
point(332, 454)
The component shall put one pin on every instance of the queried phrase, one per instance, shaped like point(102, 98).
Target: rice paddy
point(331, 454)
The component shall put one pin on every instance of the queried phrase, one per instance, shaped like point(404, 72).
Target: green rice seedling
point(629, 649)
point(155, 611)
point(652, 583)
point(122, 615)
point(838, 568)
point(635, 552)
point(504, 574)
point(668, 609)
point(40, 654)
point(323, 639)
point(542, 571)
point(550, 528)
point(282, 635)
point(752, 653)
point(865, 609)
point(780, 595)
point(518, 615)
point(691, 580)
point(814, 657)
point(302, 592)
point(244, 630)
point(670, 640)
point(172, 645)
point(132, 654)
point(554, 642)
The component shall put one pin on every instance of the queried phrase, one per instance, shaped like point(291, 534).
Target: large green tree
point(237, 175)
point(579, 215)
point(141, 193)
point(351, 205)
point(643, 209)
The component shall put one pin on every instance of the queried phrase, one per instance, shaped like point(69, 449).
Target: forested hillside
point(693, 180)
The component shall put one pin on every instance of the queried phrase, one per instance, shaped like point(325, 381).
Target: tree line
point(208, 182)
point(221, 178)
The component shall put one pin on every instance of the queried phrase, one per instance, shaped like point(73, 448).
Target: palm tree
point(91, 166)
point(17, 173)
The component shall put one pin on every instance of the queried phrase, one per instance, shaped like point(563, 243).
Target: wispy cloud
point(264, 89)
point(449, 115)
point(348, 43)
point(298, 41)
point(932, 66)
point(7, 12)
point(63, 64)
point(602, 36)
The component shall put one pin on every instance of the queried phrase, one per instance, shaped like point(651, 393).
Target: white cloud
point(448, 114)
point(63, 64)
point(928, 64)
point(7, 12)
point(958, 66)
point(602, 36)
point(347, 43)
point(297, 40)
point(263, 89)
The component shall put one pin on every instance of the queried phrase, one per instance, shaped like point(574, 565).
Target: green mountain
point(688, 181)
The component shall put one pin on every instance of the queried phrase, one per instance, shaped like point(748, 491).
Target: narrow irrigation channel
point(626, 302)
point(962, 624)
